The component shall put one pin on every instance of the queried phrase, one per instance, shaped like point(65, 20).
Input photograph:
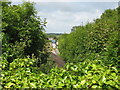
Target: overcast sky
point(62, 16)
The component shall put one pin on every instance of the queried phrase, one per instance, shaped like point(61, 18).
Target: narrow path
point(57, 59)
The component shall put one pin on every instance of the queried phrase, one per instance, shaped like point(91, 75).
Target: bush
point(97, 40)
point(88, 74)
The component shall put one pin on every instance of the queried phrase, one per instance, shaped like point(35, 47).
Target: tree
point(97, 40)
point(23, 32)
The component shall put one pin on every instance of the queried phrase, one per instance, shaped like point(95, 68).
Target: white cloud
point(57, 21)
point(61, 17)
point(60, 21)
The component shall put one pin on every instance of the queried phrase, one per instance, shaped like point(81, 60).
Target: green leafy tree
point(97, 40)
point(23, 32)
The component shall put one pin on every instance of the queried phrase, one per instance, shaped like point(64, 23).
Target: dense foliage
point(88, 74)
point(23, 32)
point(91, 52)
point(97, 40)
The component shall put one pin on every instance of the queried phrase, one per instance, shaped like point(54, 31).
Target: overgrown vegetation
point(91, 52)
point(88, 74)
point(22, 32)
point(97, 40)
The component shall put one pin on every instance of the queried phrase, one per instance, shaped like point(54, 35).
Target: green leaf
point(33, 84)
point(103, 79)
point(83, 82)
point(94, 86)
point(8, 85)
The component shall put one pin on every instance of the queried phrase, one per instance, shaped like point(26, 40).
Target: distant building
point(54, 43)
